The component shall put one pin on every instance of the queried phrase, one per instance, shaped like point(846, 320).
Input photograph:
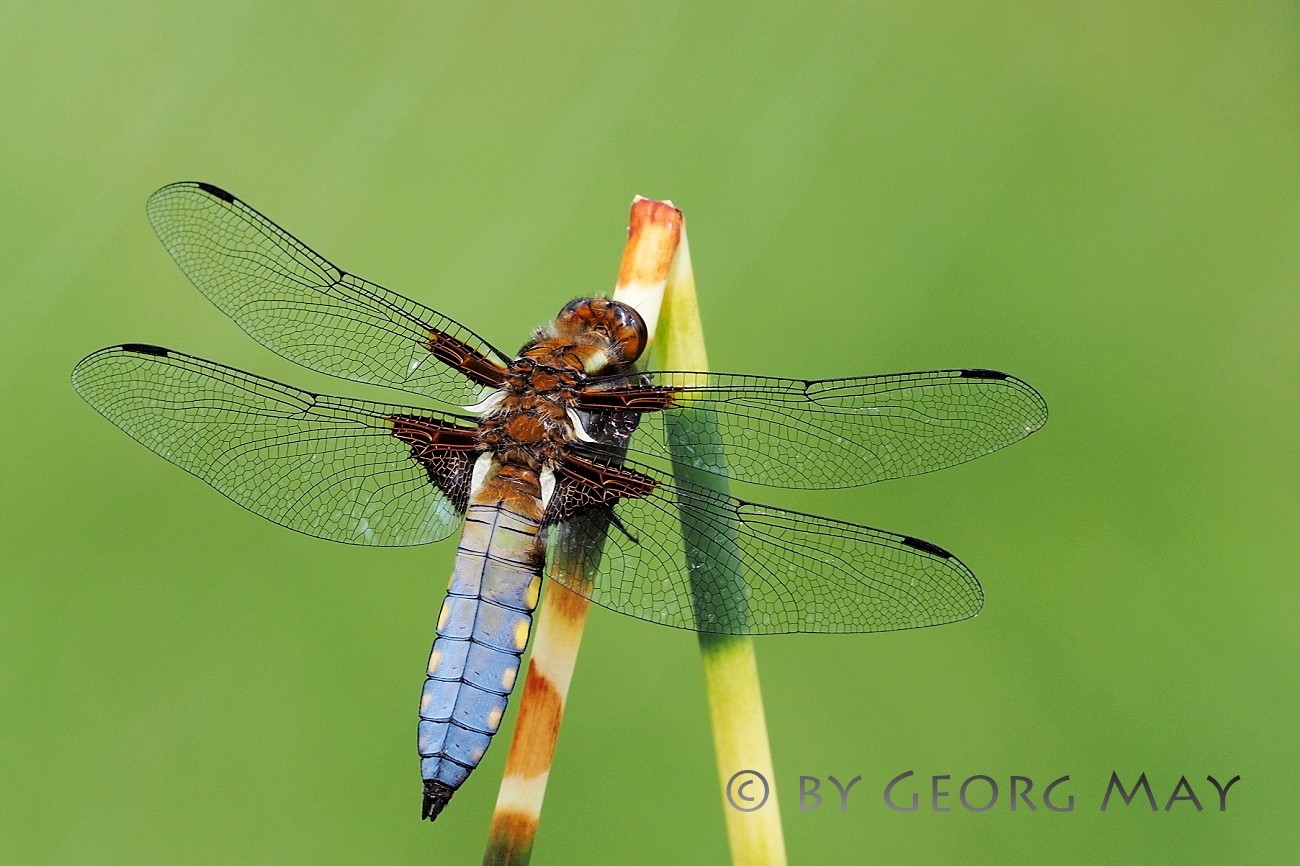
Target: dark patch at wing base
point(643, 399)
point(459, 356)
point(446, 452)
point(582, 484)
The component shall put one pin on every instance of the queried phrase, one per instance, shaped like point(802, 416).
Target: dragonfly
point(566, 432)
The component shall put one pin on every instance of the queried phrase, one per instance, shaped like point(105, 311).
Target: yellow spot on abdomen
point(508, 678)
point(444, 613)
point(477, 755)
point(534, 592)
point(494, 718)
point(434, 658)
point(521, 635)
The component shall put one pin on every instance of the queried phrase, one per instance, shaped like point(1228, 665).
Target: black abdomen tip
point(215, 191)
point(436, 795)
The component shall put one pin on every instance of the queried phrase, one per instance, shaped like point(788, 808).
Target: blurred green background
point(1100, 198)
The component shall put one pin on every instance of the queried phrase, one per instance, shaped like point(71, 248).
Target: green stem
point(730, 667)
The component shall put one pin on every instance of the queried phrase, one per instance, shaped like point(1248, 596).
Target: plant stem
point(653, 232)
point(730, 667)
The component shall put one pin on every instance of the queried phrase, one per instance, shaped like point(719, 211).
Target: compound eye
point(573, 308)
point(628, 331)
point(617, 322)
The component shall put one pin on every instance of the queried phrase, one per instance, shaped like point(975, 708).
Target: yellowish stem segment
point(730, 667)
point(561, 621)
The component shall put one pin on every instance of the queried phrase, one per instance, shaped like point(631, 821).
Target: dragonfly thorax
point(551, 368)
point(531, 418)
point(526, 430)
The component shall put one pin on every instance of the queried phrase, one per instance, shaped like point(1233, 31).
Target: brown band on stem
point(510, 837)
point(566, 605)
point(540, 711)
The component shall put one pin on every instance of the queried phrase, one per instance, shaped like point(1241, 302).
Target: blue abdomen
point(482, 631)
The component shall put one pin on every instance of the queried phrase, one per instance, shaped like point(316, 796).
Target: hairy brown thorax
point(530, 419)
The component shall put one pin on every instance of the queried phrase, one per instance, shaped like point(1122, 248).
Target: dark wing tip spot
point(926, 547)
point(144, 349)
point(983, 374)
point(216, 191)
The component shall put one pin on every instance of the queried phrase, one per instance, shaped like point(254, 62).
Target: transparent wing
point(326, 466)
point(796, 572)
point(822, 434)
point(298, 304)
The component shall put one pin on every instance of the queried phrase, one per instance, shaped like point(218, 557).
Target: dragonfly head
point(616, 325)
